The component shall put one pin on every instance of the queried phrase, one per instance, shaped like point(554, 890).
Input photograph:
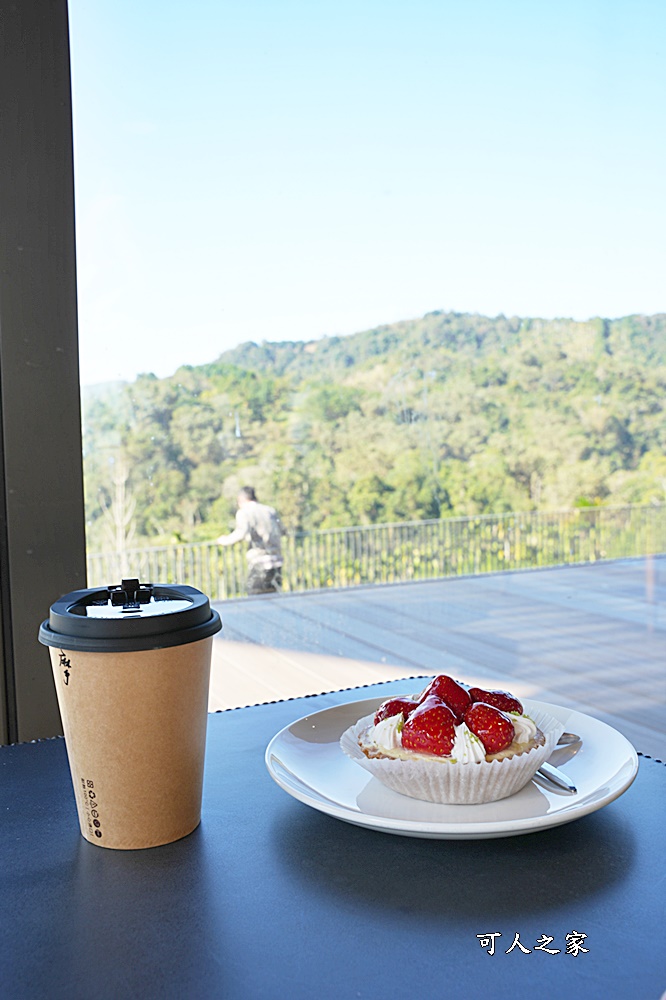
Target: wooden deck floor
point(589, 637)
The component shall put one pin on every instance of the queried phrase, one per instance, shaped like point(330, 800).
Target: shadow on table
point(536, 873)
point(164, 900)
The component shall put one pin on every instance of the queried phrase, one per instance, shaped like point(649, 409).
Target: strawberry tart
point(453, 743)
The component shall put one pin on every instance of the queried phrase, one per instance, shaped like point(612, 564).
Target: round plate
point(306, 760)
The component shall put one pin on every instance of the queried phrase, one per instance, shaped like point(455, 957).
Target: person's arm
point(238, 534)
point(235, 536)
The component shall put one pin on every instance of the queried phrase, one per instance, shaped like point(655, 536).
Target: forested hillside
point(448, 414)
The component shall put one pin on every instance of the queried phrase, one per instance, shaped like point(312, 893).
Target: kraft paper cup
point(135, 731)
point(131, 664)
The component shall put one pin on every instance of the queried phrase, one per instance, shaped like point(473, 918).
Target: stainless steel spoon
point(552, 773)
point(557, 777)
point(567, 738)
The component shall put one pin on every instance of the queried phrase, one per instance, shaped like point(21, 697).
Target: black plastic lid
point(129, 617)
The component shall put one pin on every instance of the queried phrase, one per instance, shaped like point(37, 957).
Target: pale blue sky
point(289, 169)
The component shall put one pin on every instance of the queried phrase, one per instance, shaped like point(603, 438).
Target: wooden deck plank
point(293, 629)
point(248, 674)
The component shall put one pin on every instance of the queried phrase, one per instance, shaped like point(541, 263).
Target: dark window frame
point(42, 526)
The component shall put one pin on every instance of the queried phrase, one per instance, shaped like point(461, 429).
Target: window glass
point(451, 177)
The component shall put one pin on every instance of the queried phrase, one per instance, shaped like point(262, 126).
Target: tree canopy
point(449, 414)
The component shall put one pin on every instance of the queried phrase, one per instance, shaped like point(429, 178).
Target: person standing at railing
point(260, 526)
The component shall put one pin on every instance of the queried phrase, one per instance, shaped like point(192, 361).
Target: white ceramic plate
point(306, 760)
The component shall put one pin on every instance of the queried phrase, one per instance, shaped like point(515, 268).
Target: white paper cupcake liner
point(451, 783)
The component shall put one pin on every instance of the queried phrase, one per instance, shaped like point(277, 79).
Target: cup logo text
point(65, 664)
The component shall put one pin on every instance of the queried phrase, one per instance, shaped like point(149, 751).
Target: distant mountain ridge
point(461, 332)
point(448, 414)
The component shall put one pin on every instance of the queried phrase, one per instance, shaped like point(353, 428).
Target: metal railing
point(410, 550)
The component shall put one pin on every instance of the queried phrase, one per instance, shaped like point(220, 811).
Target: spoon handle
point(558, 777)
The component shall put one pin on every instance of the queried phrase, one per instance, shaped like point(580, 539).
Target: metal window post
point(42, 540)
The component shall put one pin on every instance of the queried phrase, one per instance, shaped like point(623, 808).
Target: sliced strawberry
point(500, 699)
point(394, 706)
point(494, 728)
point(452, 694)
point(430, 728)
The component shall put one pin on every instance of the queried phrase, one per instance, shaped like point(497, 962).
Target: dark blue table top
point(269, 898)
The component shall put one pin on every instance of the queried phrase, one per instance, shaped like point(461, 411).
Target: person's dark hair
point(248, 493)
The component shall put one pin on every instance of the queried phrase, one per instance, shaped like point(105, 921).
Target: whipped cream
point(467, 748)
point(524, 729)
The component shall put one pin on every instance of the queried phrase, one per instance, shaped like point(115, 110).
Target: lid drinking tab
point(131, 594)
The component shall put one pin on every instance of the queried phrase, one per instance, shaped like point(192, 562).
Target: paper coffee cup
point(132, 685)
